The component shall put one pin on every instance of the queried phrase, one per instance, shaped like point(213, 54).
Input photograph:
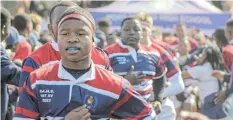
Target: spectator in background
point(45, 37)
point(111, 39)
point(208, 61)
point(23, 24)
point(199, 35)
point(147, 21)
point(10, 73)
point(181, 33)
point(228, 49)
point(169, 38)
point(104, 26)
point(220, 38)
point(35, 34)
point(12, 41)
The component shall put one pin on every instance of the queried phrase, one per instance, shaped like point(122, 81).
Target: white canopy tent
point(166, 13)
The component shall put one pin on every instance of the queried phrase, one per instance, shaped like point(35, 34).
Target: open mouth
point(73, 50)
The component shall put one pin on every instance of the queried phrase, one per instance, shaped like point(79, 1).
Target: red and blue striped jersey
point(48, 54)
point(145, 61)
point(167, 58)
point(165, 46)
point(50, 92)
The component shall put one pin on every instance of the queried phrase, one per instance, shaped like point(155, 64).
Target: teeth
point(72, 49)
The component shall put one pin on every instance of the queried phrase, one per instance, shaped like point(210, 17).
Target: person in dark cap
point(12, 41)
point(10, 73)
point(104, 26)
point(87, 91)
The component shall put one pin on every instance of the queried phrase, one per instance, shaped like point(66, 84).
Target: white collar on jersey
point(132, 51)
point(63, 74)
point(55, 45)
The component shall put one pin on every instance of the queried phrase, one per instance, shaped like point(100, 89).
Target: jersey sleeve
point(172, 69)
point(107, 66)
point(28, 66)
point(27, 105)
point(130, 106)
point(161, 69)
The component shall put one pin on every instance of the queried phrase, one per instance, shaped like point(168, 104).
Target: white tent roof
point(159, 6)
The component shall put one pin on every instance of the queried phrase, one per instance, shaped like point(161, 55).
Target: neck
point(77, 65)
point(145, 41)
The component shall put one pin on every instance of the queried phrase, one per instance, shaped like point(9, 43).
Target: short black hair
point(128, 18)
point(78, 10)
point(229, 23)
point(105, 23)
point(21, 21)
point(5, 17)
point(214, 57)
point(60, 3)
point(219, 34)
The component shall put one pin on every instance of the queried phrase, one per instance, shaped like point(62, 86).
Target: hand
point(218, 74)
point(220, 97)
point(185, 115)
point(80, 113)
point(157, 106)
point(134, 79)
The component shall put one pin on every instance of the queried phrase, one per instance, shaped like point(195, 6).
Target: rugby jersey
point(50, 92)
point(149, 63)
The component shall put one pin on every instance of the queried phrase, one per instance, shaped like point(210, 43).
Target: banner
point(205, 21)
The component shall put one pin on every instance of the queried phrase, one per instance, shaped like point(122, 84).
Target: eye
point(66, 34)
point(81, 34)
point(126, 29)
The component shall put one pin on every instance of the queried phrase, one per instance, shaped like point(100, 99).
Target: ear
point(49, 27)
point(51, 30)
point(231, 33)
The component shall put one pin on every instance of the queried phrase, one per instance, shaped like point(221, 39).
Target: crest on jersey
point(90, 101)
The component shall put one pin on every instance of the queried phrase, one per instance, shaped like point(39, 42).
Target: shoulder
point(107, 80)
point(112, 48)
point(46, 72)
point(43, 49)
point(153, 50)
point(41, 54)
point(99, 51)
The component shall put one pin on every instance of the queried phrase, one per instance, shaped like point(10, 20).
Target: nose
point(131, 32)
point(74, 38)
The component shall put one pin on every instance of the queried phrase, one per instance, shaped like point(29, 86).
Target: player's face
point(229, 33)
point(146, 31)
point(181, 31)
point(74, 40)
point(131, 32)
